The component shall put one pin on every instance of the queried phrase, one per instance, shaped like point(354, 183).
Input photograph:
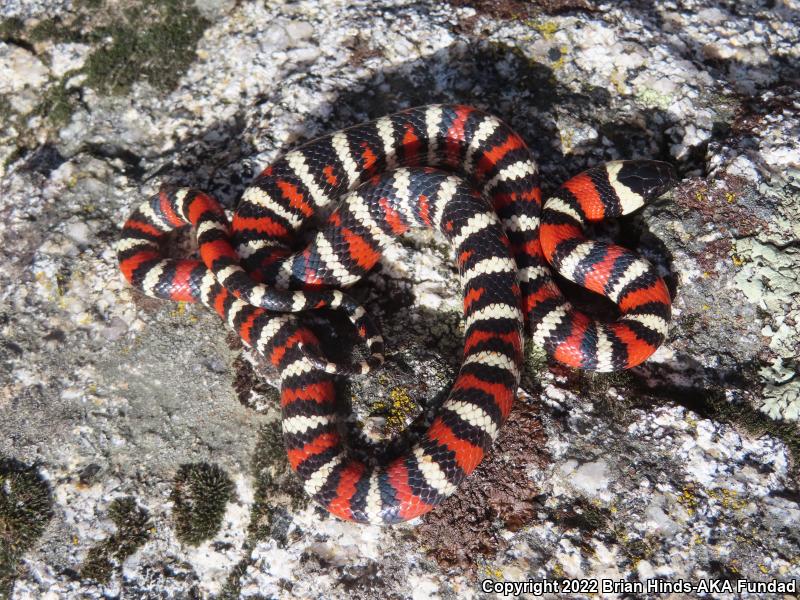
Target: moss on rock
point(25, 509)
point(200, 493)
point(153, 41)
point(133, 523)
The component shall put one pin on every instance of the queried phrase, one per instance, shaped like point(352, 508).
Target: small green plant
point(25, 509)
point(200, 493)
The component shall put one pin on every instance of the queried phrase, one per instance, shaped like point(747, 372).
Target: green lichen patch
point(133, 524)
point(25, 509)
point(201, 492)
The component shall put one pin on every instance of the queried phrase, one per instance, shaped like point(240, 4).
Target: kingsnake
point(451, 168)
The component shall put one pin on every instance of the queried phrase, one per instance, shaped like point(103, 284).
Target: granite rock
point(683, 468)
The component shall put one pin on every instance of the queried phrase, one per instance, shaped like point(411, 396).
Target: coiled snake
point(452, 168)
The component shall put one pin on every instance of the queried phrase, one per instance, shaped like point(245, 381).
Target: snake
point(315, 222)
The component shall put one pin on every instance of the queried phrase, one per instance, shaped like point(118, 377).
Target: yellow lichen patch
point(730, 197)
point(566, 140)
point(560, 62)
point(737, 260)
point(688, 500)
point(180, 311)
point(728, 499)
point(401, 405)
point(546, 28)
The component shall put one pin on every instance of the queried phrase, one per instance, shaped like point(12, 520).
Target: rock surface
point(683, 468)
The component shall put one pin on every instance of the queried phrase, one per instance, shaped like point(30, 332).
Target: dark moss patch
point(133, 523)
point(201, 492)
point(58, 102)
point(11, 28)
point(154, 42)
point(277, 490)
point(6, 109)
point(146, 41)
point(583, 516)
point(59, 30)
point(25, 509)
point(498, 495)
point(596, 387)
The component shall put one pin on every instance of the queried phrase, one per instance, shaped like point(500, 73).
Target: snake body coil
point(451, 168)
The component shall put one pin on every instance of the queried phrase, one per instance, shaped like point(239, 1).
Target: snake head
point(647, 178)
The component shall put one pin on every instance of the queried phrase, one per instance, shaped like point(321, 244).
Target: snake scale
point(451, 168)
